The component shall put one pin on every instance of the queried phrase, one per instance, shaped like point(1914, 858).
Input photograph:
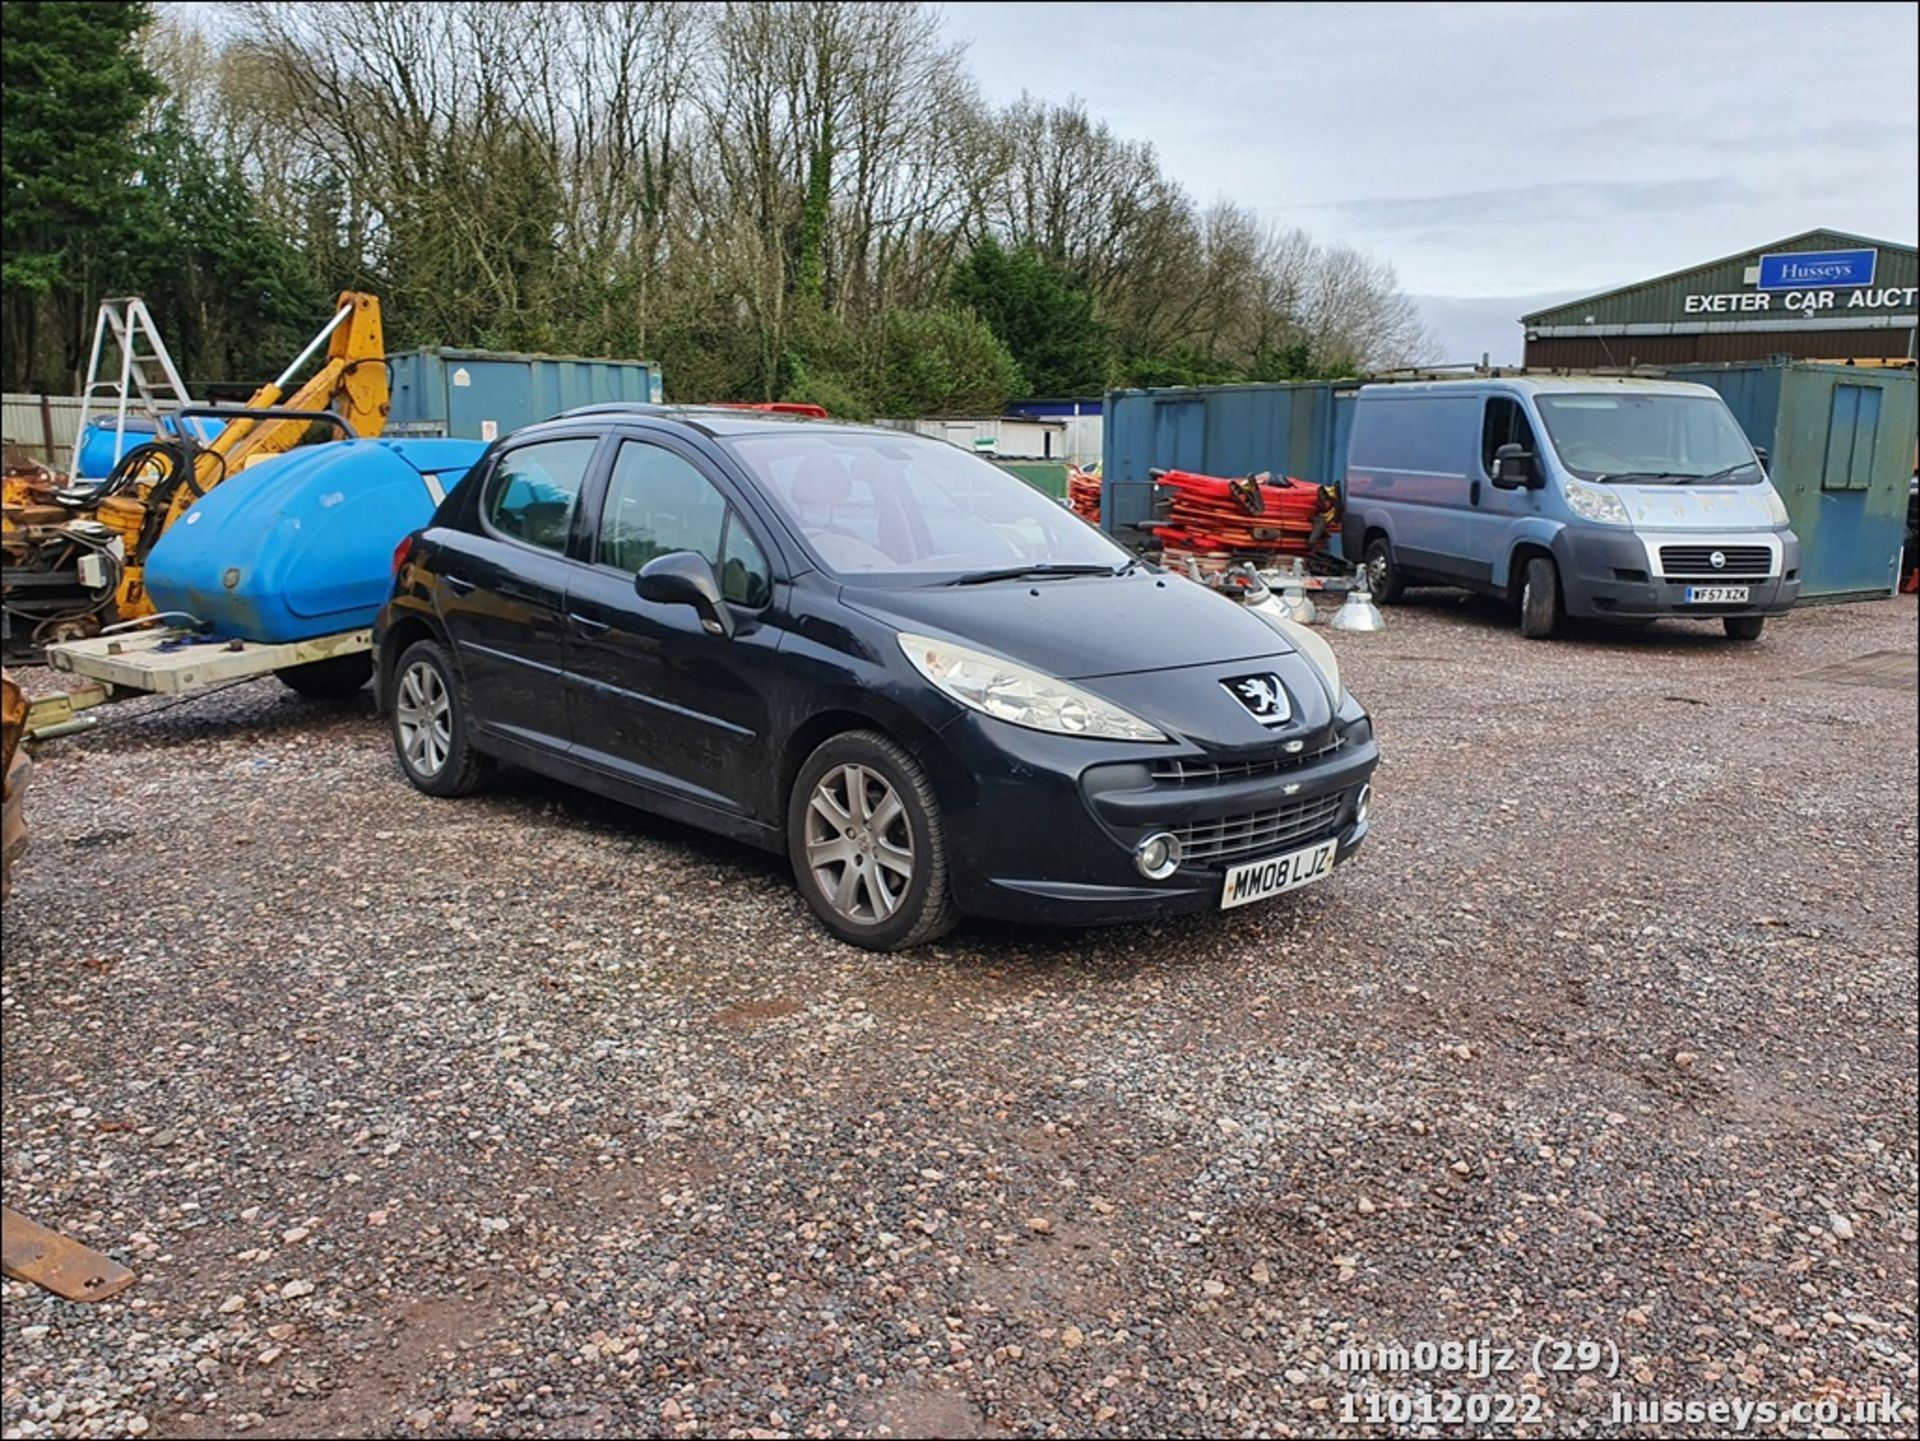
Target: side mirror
point(1514, 468)
point(1766, 461)
point(684, 578)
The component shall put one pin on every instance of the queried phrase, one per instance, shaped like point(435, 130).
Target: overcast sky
point(1503, 157)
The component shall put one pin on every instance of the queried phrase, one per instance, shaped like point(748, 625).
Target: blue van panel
point(302, 545)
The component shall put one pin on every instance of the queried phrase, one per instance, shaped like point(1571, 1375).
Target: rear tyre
point(1744, 627)
point(329, 679)
point(1540, 599)
point(430, 724)
point(1383, 576)
point(867, 844)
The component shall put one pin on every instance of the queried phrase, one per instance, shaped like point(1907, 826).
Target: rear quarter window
point(1416, 432)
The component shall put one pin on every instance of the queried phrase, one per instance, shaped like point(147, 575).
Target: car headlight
point(1591, 502)
point(1019, 696)
point(1776, 507)
point(1308, 644)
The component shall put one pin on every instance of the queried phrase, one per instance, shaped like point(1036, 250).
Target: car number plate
point(1256, 880)
point(1717, 594)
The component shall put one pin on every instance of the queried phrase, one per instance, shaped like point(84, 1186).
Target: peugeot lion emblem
point(1265, 701)
point(1719, 559)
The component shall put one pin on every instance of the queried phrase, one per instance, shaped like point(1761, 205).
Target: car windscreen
point(878, 507)
point(1647, 439)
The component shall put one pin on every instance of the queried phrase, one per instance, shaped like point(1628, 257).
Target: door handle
point(1473, 493)
point(458, 584)
point(587, 625)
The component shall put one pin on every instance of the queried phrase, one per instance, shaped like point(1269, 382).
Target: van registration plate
point(1717, 594)
point(1256, 880)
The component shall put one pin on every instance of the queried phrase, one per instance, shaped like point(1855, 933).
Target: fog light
point(1157, 857)
point(1361, 802)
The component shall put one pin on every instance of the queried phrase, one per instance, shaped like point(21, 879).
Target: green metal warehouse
point(1824, 295)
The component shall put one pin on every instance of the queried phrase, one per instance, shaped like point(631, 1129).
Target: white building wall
point(1012, 438)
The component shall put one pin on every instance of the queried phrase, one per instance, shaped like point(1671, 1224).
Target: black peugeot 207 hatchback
point(939, 692)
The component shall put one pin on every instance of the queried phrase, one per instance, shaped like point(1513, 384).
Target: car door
point(656, 699)
point(505, 589)
point(1494, 512)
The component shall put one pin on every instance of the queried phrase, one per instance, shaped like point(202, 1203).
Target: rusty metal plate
point(30, 1252)
point(1886, 669)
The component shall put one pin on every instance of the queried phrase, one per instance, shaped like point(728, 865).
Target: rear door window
point(532, 492)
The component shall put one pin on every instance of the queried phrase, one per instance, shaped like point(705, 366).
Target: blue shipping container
point(1840, 445)
point(485, 394)
point(302, 545)
point(1296, 429)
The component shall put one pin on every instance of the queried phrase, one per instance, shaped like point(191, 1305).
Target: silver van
point(1601, 497)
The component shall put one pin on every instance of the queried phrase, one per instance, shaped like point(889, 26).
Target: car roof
point(711, 420)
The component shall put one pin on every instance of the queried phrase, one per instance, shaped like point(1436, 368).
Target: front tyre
point(1744, 627)
point(430, 724)
point(867, 844)
point(1540, 599)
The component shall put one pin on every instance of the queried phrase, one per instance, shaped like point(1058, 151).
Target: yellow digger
point(74, 553)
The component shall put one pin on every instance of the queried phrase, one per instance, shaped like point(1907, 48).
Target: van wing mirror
point(1766, 461)
point(683, 577)
point(1514, 468)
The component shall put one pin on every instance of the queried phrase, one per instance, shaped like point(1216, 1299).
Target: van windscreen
point(1647, 439)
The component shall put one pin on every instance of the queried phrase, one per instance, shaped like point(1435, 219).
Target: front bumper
point(1607, 574)
point(1043, 828)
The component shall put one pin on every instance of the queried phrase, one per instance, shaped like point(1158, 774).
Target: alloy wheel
point(424, 713)
point(859, 844)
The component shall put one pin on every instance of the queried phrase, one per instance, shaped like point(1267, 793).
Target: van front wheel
point(1540, 599)
point(1744, 627)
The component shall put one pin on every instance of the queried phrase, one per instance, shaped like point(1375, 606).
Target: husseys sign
point(1816, 269)
point(1806, 282)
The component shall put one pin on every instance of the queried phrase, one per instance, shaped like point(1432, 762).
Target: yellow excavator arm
point(352, 383)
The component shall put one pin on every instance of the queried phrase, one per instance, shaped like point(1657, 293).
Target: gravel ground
point(529, 1115)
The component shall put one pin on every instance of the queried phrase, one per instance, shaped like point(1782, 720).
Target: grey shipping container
point(483, 394)
point(1840, 441)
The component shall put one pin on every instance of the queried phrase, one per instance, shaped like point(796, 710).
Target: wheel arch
point(1371, 521)
point(900, 726)
point(402, 631)
point(1530, 539)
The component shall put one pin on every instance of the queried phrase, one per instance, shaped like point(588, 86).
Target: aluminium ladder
point(146, 372)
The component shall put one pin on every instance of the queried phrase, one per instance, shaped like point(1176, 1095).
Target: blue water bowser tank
point(105, 439)
point(302, 545)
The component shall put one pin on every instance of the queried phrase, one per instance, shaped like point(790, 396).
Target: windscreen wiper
point(1712, 476)
point(1025, 572)
point(1615, 477)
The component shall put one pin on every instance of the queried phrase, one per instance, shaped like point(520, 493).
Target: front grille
point(1273, 829)
point(1193, 772)
point(1696, 561)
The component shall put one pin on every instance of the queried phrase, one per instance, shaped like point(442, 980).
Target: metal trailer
point(145, 657)
point(485, 394)
point(1840, 441)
